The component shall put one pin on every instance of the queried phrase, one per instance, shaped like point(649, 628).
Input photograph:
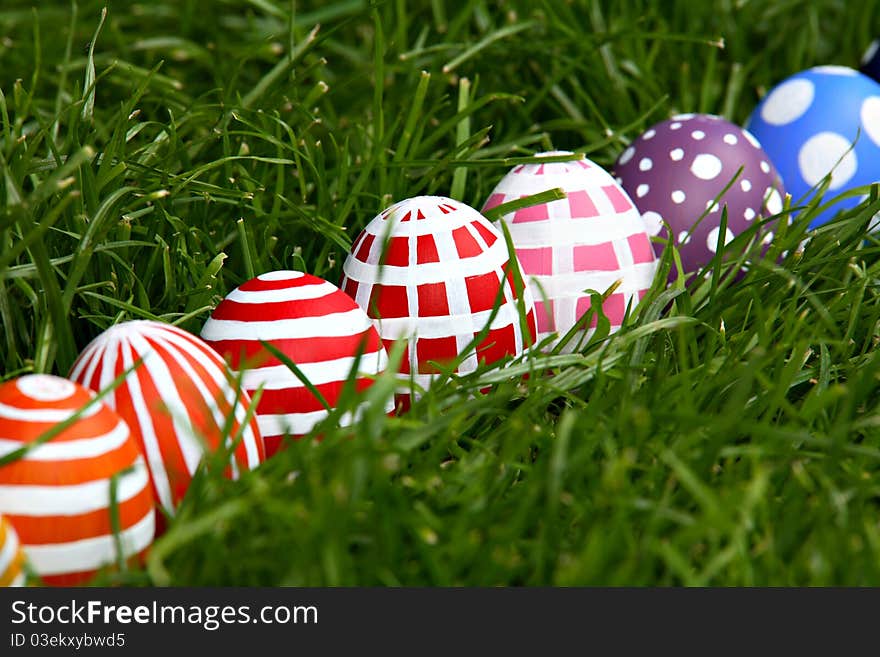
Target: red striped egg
point(316, 326)
point(11, 556)
point(429, 270)
point(62, 494)
point(591, 239)
point(178, 402)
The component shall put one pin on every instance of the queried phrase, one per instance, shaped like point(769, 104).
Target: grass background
point(154, 159)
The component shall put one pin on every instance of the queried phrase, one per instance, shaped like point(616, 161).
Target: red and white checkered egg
point(177, 402)
point(80, 500)
point(314, 324)
point(429, 270)
point(588, 240)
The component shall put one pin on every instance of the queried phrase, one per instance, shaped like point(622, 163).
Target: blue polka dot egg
point(808, 123)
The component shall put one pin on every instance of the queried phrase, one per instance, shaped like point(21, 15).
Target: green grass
point(729, 435)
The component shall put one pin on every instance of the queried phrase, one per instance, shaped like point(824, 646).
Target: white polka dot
point(675, 125)
point(678, 196)
point(749, 214)
point(745, 184)
point(645, 164)
point(684, 117)
point(698, 134)
point(751, 138)
point(684, 237)
point(768, 238)
point(712, 206)
point(45, 388)
point(642, 189)
point(676, 154)
point(870, 115)
point(773, 201)
point(618, 179)
point(834, 70)
point(706, 166)
point(712, 238)
point(653, 222)
point(627, 155)
point(788, 102)
point(871, 51)
point(820, 153)
point(730, 138)
point(765, 167)
point(649, 134)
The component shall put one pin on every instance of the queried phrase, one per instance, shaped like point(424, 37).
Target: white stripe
point(88, 362)
point(458, 300)
point(301, 423)
point(558, 286)
point(279, 377)
point(179, 350)
point(105, 359)
point(150, 441)
point(217, 371)
point(569, 176)
point(429, 272)
point(281, 275)
point(74, 499)
point(80, 362)
point(158, 370)
point(300, 293)
point(91, 553)
point(345, 324)
point(576, 232)
point(435, 222)
point(421, 381)
point(9, 550)
point(45, 415)
point(291, 423)
point(395, 328)
point(18, 581)
point(71, 449)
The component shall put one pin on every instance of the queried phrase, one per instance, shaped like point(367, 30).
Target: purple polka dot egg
point(677, 171)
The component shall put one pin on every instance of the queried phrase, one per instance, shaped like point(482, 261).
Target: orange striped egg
point(178, 402)
point(313, 323)
point(11, 556)
point(64, 495)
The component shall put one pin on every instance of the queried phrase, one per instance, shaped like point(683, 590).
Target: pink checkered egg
point(587, 241)
point(434, 273)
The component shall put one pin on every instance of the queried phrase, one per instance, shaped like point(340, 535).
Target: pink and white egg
point(590, 240)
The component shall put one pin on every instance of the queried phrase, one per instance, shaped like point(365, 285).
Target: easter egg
point(429, 271)
point(11, 556)
point(65, 495)
point(177, 402)
point(677, 171)
point(589, 240)
point(871, 61)
point(313, 324)
point(808, 124)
